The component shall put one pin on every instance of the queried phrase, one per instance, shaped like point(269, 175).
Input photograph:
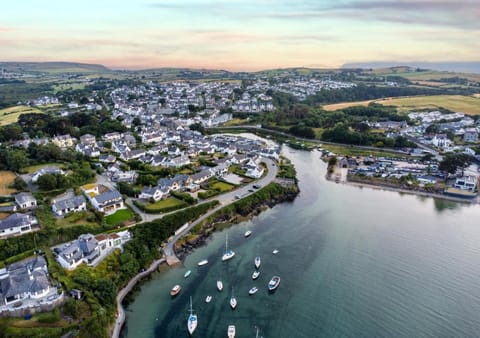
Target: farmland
point(458, 103)
point(10, 115)
point(6, 179)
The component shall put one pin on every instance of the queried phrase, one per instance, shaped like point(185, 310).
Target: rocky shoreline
point(186, 247)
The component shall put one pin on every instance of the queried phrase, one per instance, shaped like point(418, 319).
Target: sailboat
point(228, 254)
point(192, 320)
point(233, 301)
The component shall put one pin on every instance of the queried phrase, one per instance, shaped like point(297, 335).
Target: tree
point(198, 127)
point(19, 183)
point(47, 182)
point(452, 162)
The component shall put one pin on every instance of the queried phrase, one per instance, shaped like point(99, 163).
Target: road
point(224, 199)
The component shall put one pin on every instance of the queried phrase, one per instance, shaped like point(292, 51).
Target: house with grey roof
point(68, 205)
point(25, 280)
point(107, 202)
point(17, 224)
point(25, 200)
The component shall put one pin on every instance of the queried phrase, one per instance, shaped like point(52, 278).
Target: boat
point(255, 274)
point(253, 291)
point(187, 273)
point(257, 262)
point(274, 283)
point(248, 233)
point(233, 301)
point(204, 262)
point(208, 299)
point(175, 290)
point(275, 251)
point(228, 254)
point(231, 331)
point(219, 285)
point(192, 320)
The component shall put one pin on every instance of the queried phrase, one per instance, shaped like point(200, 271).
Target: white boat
point(175, 290)
point(248, 233)
point(187, 273)
point(228, 254)
point(192, 320)
point(255, 274)
point(274, 283)
point(253, 291)
point(275, 251)
point(231, 331)
point(233, 301)
point(219, 285)
point(257, 262)
point(208, 299)
point(204, 262)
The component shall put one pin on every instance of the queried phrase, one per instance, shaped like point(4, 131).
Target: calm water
point(354, 263)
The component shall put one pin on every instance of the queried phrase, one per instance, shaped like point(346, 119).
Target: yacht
point(257, 262)
point(192, 320)
point(248, 233)
point(219, 285)
point(228, 254)
point(231, 331)
point(274, 283)
point(233, 301)
point(253, 291)
point(208, 299)
point(187, 273)
point(175, 290)
point(204, 262)
point(255, 274)
point(275, 252)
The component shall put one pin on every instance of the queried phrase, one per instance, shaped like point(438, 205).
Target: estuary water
point(354, 262)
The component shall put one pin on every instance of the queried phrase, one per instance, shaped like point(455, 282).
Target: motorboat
point(274, 283)
point(253, 291)
point(192, 321)
point(257, 262)
point(231, 331)
point(203, 262)
point(187, 273)
point(255, 274)
point(275, 251)
point(219, 285)
point(233, 301)
point(208, 299)
point(248, 233)
point(175, 290)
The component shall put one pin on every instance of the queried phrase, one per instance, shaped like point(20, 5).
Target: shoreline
point(407, 191)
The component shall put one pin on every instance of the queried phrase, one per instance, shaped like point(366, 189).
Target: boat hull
point(274, 283)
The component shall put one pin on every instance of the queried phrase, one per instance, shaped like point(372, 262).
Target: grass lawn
point(166, 204)
point(37, 167)
point(458, 103)
point(222, 186)
point(119, 217)
point(6, 179)
point(11, 114)
point(77, 218)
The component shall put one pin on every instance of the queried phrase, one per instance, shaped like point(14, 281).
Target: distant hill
point(461, 67)
point(53, 67)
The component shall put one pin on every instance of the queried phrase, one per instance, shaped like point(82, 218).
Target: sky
point(238, 34)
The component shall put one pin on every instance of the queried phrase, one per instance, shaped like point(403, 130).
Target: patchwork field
point(11, 114)
point(6, 179)
point(458, 103)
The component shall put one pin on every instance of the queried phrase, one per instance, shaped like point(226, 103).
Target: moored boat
point(208, 299)
point(228, 254)
point(219, 285)
point(203, 262)
point(257, 262)
point(233, 301)
point(231, 331)
point(275, 251)
point(274, 283)
point(248, 233)
point(192, 321)
point(255, 274)
point(187, 273)
point(253, 291)
point(175, 290)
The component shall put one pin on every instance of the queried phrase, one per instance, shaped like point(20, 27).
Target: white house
point(68, 205)
point(25, 200)
point(17, 224)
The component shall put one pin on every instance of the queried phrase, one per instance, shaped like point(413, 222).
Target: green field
point(165, 205)
point(11, 114)
point(458, 103)
point(119, 217)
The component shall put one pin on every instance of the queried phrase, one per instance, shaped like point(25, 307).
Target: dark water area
point(354, 262)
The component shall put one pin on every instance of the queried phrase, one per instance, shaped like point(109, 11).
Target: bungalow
point(25, 200)
point(46, 170)
point(156, 193)
point(202, 176)
point(132, 154)
point(17, 224)
point(25, 280)
point(68, 205)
